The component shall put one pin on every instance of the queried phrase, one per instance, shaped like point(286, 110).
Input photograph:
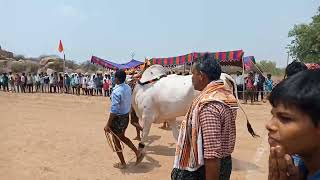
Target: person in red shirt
point(106, 88)
point(249, 88)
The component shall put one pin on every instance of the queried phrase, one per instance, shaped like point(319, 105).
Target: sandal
point(139, 158)
point(120, 166)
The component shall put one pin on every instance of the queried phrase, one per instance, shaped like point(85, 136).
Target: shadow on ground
point(146, 166)
point(151, 139)
point(161, 150)
point(240, 165)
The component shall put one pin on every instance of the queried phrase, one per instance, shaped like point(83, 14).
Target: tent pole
point(191, 63)
point(243, 84)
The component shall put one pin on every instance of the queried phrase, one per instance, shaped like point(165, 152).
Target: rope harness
point(152, 80)
point(112, 145)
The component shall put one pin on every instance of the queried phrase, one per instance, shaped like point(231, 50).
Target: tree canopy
point(305, 45)
point(269, 67)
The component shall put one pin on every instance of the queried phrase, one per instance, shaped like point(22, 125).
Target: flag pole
point(64, 67)
point(60, 49)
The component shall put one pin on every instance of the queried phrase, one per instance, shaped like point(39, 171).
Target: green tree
point(270, 67)
point(305, 45)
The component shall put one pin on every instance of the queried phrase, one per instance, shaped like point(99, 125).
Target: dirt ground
point(55, 136)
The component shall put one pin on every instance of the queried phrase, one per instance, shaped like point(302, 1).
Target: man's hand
point(111, 118)
point(281, 166)
point(212, 168)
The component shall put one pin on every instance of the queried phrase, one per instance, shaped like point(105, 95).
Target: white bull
point(166, 98)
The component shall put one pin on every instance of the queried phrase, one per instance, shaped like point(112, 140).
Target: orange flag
point(60, 49)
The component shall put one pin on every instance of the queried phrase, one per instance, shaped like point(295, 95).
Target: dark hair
point(294, 68)
point(210, 66)
point(302, 91)
point(120, 75)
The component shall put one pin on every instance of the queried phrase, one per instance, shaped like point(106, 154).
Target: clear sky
point(114, 29)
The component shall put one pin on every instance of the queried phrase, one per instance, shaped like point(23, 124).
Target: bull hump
point(153, 72)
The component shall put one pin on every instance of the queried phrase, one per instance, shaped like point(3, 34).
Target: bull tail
point(249, 127)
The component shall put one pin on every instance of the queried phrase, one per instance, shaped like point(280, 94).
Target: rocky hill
point(9, 61)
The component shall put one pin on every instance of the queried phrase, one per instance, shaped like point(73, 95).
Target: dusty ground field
point(54, 136)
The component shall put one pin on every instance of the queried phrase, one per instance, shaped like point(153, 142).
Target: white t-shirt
point(23, 79)
point(11, 78)
point(239, 80)
point(51, 79)
point(37, 78)
point(29, 80)
point(84, 80)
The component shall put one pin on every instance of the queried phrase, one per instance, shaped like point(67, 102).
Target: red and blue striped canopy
point(249, 62)
point(231, 58)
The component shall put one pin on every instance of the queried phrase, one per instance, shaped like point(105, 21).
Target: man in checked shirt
point(207, 134)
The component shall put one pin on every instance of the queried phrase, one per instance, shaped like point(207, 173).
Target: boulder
point(50, 71)
point(6, 54)
point(44, 61)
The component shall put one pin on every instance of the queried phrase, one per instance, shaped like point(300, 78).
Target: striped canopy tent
point(115, 66)
point(313, 65)
point(249, 62)
point(178, 60)
point(104, 63)
point(229, 58)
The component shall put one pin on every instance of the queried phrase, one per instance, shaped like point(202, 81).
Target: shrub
point(32, 67)
point(57, 66)
point(18, 57)
point(89, 67)
point(71, 64)
point(18, 67)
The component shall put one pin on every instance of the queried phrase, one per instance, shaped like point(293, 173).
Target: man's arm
point(115, 103)
point(111, 118)
point(212, 168)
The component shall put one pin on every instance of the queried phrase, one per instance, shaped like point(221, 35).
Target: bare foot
point(139, 157)
point(120, 166)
